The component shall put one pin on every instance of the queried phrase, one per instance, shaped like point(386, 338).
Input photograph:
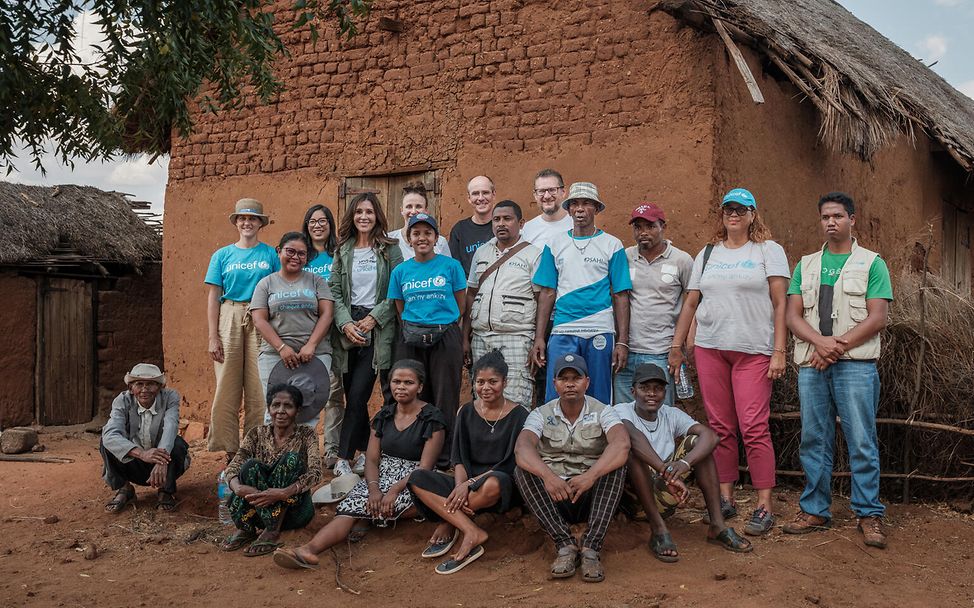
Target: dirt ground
point(148, 558)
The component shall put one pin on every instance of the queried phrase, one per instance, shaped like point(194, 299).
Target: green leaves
point(100, 77)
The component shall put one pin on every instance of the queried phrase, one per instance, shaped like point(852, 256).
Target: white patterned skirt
point(391, 470)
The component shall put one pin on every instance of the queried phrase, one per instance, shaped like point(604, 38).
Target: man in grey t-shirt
point(660, 273)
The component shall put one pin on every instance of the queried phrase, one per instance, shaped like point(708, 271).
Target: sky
point(940, 31)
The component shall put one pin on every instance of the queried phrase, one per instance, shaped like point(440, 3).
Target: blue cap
point(422, 218)
point(571, 361)
point(741, 196)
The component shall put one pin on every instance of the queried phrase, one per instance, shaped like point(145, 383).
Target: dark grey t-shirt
point(292, 308)
point(465, 238)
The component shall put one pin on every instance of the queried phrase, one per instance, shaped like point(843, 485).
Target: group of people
point(573, 344)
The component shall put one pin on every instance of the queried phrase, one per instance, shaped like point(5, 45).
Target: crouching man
point(140, 444)
point(666, 445)
point(571, 468)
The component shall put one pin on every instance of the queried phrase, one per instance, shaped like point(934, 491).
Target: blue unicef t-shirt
point(238, 270)
point(321, 265)
point(427, 288)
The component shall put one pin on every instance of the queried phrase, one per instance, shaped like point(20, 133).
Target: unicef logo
point(308, 293)
point(439, 281)
point(263, 265)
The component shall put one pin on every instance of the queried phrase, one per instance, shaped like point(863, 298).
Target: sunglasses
point(735, 210)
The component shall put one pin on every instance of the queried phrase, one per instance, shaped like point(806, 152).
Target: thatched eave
point(867, 89)
point(74, 225)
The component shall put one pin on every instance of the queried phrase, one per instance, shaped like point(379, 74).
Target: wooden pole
point(738, 57)
point(920, 424)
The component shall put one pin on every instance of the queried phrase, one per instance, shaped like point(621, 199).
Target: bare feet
point(471, 539)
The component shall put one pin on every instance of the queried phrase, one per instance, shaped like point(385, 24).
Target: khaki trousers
point(237, 379)
point(334, 414)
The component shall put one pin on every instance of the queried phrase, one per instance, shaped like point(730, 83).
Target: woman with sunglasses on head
point(365, 319)
point(736, 294)
point(231, 277)
point(319, 230)
point(292, 310)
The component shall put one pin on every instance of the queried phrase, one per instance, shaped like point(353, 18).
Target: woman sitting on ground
point(271, 476)
point(483, 458)
point(405, 436)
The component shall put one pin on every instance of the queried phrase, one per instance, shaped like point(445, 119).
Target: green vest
point(572, 451)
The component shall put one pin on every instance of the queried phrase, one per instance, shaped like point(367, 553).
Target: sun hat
point(335, 490)
point(422, 218)
point(145, 371)
point(650, 212)
point(648, 371)
point(583, 191)
point(249, 206)
point(311, 379)
point(740, 196)
point(571, 361)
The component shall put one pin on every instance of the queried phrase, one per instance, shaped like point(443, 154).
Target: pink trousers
point(736, 393)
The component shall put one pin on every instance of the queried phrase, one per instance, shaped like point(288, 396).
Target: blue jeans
point(622, 384)
point(598, 360)
point(851, 390)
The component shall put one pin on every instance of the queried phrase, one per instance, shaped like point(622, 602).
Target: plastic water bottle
point(223, 496)
point(684, 388)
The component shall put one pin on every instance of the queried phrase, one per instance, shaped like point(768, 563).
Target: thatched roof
point(867, 89)
point(58, 224)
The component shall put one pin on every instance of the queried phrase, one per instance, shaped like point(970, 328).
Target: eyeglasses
point(548, 191)
point(738, 211)
point(295, 253)
point(322, 222)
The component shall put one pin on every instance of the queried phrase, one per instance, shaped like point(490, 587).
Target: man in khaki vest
point(838, 303)
point(571, 468)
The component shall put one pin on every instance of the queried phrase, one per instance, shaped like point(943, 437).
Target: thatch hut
point(81, 274)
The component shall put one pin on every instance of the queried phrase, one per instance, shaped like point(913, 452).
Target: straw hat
point(145, 371)
point(249, 206)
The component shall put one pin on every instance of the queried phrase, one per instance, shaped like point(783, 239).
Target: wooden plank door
point(958, 231)
point(66, 362)
point(389, 190)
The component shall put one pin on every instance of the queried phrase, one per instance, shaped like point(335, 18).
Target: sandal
point(167, 501)
point(453, 565)
point(239, 539)
point(592, 571)
point(436, 549)
point(286, 558)
point(261, 547)
point(659, 543)
point(358, 533)
point(729, 539)
point(121, 498)
point(566, 562)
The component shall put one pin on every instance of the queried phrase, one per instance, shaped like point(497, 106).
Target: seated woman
point(483, 458)
point(272, 474)
point(405, 436)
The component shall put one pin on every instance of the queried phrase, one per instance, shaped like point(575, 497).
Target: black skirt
point(442, 484)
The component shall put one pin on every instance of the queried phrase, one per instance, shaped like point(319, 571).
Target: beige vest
point(848, 301)
point(505, 301)
point(571, 452)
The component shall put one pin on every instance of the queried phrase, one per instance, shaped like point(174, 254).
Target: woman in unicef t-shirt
point(231, 277)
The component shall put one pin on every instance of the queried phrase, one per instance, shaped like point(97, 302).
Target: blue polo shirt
point(427, 289)
point(238, 270)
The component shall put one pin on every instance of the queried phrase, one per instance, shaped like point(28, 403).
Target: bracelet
point(780, 350)
point(672, 346)
point(685, 462)
point(283, 344)
point(373, 482)
point(622, 344)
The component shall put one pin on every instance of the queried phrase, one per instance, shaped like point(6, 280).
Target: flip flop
point(442, 547)
point(167, 501)
point(451, 565)
point(658, 543)
point(121, 498)
point(286, 558)
point(729, 539)
point(239, 539)
point(261, 547)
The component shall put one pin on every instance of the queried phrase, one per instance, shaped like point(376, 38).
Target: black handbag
point(422, 336)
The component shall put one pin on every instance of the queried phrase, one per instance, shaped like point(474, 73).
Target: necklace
point(588, 242)
point(642, 421)
point(483, 416)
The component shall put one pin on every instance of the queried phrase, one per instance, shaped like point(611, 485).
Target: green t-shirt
point(879, 285)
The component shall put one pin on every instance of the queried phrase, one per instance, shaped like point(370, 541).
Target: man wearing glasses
point(549, 192)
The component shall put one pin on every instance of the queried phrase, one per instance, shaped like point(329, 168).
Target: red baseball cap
point(649, 212)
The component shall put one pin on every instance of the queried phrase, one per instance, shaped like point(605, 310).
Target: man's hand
point(678, 489)
point(557, 488)
point(620, 355)
point(537, 356)
point(830, 348)
point(579, 485)
point(157, 478)
point(467, 354)
point(156, 456)
point(675, 471)
point(674, 361)
point(819, 363)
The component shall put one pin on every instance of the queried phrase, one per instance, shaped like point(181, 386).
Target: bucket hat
point(311, 379)
point(249, 206)
point(335, 490)
point(583, 191)
point(145, 371)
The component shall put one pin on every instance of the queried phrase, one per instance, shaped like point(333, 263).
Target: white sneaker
point(358, 467)
point(342, 468)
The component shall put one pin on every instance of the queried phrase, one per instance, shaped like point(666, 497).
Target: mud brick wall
point(19, 325)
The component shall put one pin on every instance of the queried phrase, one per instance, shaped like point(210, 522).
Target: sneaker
point(358, 467)
point(761, 522)
point(805, 523)
point(342, 468)
point(331, 460)
point(872, 532)
point(727, 509)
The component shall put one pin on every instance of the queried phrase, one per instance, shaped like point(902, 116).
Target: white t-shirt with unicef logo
point(736, 312)
point(292, 308)
point(427, 289)
point(363, 277)
point(237, 270)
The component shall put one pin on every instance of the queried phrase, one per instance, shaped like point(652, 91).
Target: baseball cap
point(423, 218)
point(741, 196)
point(648, 371)
point(650, 212)
point(571, 361)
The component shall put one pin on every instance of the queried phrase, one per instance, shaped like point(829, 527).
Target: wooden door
point(389, 190)
point(958, 230)
point(66, 362)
